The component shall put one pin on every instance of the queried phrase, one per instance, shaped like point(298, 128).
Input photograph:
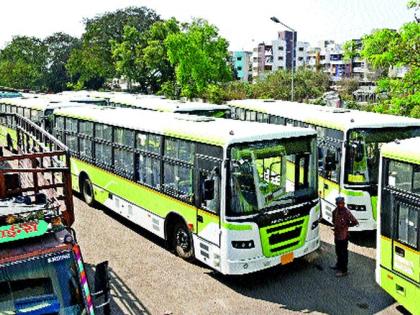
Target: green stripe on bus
point(208, 140)
point(236, 227)
point(405, 157)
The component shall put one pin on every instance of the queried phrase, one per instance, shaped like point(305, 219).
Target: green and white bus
point(348, 149)
point(156, 103)
point(238, 196)
point(398, 235)
point(37, 108)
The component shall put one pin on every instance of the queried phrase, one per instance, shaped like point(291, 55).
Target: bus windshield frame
point(271, 166)
point(49, 282)
point(363, 152)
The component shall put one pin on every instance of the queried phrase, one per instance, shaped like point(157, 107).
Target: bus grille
point(284, 237)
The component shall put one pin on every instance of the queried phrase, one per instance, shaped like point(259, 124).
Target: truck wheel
point(182, 242)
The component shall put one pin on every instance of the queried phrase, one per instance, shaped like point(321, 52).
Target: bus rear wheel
point(87, 191)
point(182, 242)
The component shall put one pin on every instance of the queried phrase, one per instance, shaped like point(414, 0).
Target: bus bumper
point(244, 266)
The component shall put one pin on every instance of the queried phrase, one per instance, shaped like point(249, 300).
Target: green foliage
point(389, 49)
point(86, 68)
point(200, 57)
point(59, 46)
point(23, 64)
point(92, 64)
point(142, 57)
point(238, 90)
point(347, 87)
point(170, 89)
point(277, 85)
point(350, 50)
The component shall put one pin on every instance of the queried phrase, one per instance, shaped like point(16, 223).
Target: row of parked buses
point(242, 196)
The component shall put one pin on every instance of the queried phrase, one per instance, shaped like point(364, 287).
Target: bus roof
point(164, 105)
point(335, 118)
point(189, 127)
point(407, 150)
point(40, 103)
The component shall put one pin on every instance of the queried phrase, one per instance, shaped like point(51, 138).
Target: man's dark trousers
point(342, 254)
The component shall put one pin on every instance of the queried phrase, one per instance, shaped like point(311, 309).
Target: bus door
point(329, 161)
point(405, 244)
point(208, 188)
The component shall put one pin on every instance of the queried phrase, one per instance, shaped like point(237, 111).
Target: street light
point(276, 20)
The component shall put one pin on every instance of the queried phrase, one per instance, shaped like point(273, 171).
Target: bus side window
point(416, 179)
point(408, 220)
point(178, 168)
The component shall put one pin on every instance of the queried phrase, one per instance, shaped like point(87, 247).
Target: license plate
point(287, 258)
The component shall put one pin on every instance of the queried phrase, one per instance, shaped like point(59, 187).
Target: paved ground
point(148, 279)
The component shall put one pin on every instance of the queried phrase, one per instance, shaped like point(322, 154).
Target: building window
point(280, 58)
point(281, 48)
point(300, 48)
point(239, 68)
point(300, 58)
point(239, 58)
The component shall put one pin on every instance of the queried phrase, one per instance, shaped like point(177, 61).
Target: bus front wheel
point(87, 191)
point(182, 241)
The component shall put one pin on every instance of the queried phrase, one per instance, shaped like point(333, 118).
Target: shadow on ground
point(307, 287)
point(123, 300)
point(364, 238)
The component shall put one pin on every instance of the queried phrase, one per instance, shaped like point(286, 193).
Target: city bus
point(37, 108)
point(156, 103)
point(348, 149)
point(237, 196)
point(398, 234)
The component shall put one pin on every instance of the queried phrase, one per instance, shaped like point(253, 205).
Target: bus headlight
point(243, 244)
point(356, 207)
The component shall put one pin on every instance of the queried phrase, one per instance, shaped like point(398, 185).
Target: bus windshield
point(268, 175)
point(363, 152)
point(47, 285)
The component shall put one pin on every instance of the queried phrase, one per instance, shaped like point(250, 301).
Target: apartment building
point(241, 61)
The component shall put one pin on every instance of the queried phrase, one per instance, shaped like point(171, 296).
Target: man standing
point(342, 220)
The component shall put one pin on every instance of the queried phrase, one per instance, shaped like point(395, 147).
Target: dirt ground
point(148, 279)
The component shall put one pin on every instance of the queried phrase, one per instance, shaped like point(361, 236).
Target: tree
point(23, 64)
point(200, 57)
point(92, 64)
point(350, 51)
point(390, 49)
point(308, 84)
point(142, 57)
point(347, 87)
point(59, 46)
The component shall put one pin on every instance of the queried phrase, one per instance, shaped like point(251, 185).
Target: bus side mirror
point(208, 193)
point(102, 286)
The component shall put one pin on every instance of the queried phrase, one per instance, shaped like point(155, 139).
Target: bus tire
point(87, 191)
point(182, 241)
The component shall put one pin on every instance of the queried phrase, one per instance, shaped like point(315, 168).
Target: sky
point(243, 23)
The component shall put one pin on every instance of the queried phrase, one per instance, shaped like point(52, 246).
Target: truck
point(41, 263)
